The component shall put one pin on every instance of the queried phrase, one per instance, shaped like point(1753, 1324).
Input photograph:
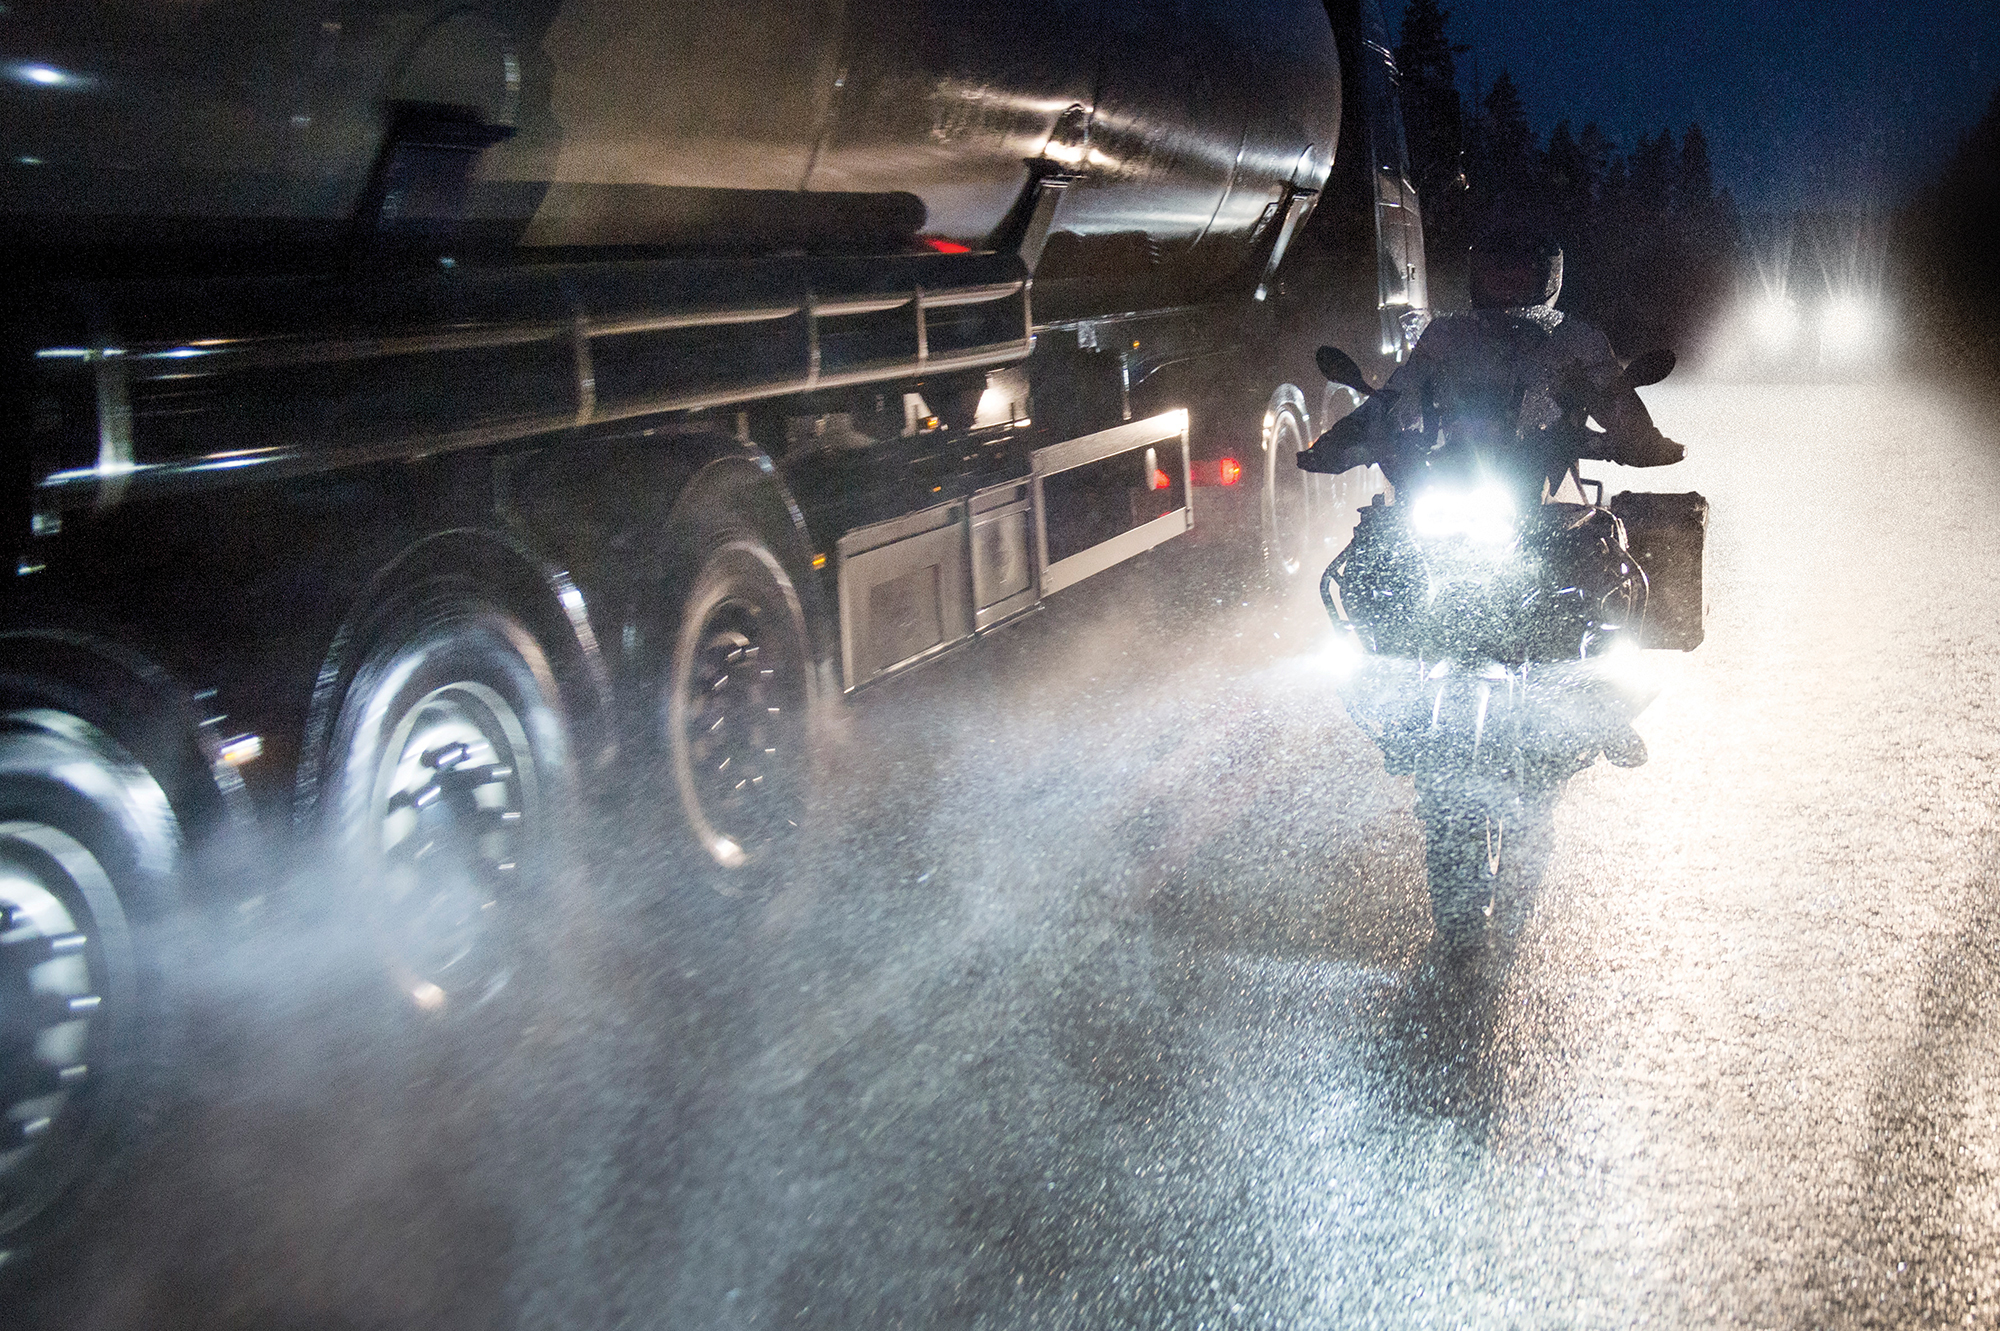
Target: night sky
point(1812, 104)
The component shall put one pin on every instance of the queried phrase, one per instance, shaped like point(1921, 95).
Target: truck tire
point(451, 773)
point(735, 707)
point(87, 841)
point(1285, 507)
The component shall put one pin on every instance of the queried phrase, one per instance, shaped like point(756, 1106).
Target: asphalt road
point(1100, 997)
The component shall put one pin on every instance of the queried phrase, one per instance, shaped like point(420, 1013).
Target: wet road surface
point(1100, 997)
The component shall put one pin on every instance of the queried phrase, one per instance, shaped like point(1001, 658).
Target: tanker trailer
point(425, 420)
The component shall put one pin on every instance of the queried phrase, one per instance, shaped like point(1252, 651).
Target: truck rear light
point(1216, 471)
point(1160, 480)
point(1228, 471)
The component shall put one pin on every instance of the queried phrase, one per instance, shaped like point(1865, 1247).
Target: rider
point(1515, 349)
point(1515, 346)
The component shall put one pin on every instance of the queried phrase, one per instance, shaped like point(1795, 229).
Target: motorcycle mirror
point(1339, 368)
point(1649, 367)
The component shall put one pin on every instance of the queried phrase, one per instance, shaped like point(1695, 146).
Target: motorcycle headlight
point(1484, 517)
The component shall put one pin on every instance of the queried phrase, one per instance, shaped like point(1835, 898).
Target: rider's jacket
point(1529, 364)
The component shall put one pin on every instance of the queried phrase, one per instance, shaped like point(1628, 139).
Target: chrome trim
point(121, 460)
point(586, 372)
point(1001, 354)
point(284, 352)
point(1068, 572)
point(1089, 448)
point(1084, 449)
point(660, 323)
point(863, 305)
point(812, 342)
point(872, 556)
point(115, 460)
point(979, 295)
point(1008, 501)
point(294, 459)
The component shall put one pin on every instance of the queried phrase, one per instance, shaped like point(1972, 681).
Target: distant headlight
point(1846, 327)
point(1483, 517)
point(1774, 321)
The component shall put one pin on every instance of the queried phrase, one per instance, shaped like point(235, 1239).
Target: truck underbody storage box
point(1666, 533)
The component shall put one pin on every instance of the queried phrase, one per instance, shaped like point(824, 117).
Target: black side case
point(1666, 534)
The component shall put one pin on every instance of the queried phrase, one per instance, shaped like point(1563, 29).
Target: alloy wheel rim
point(64, 974)
point(454, 800)
point(738, 717)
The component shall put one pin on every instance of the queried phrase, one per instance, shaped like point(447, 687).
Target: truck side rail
point(184, 384)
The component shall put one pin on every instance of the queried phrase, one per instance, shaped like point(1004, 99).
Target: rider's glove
point(1654, 451)
point(1341, 448)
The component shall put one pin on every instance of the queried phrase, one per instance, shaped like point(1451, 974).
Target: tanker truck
point(424, 418)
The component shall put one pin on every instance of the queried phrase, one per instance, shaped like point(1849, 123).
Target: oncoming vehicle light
point(1774, 321)
point(1845, 326)
point(1483, 517)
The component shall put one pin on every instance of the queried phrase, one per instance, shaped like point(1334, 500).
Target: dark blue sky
point(1807, 105)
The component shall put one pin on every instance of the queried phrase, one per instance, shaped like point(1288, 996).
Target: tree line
point(1948, 262)
point(1649, 242)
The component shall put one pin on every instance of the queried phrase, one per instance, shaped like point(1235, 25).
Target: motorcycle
point(1488, 632)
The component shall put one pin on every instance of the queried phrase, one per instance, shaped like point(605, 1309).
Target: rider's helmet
point(1515, 265)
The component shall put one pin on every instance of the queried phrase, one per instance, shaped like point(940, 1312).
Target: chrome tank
point(711, 126)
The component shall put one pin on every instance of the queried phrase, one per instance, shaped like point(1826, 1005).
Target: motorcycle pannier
point(1666, 534)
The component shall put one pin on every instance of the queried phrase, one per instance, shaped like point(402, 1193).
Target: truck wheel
point(86, 835)
point(1286, 502)
point(452, 772)
point(735, 705)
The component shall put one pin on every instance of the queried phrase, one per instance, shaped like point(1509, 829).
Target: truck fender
point(137, 704)
point(745, 488)
point(494, 565)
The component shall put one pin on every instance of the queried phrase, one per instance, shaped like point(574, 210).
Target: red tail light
point(1229, 472)
point(945, 246)
point(1160, 481)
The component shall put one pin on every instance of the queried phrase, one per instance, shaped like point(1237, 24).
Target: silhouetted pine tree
point(1702, 240)
point(1502, 165)
point(1694, 184)
point(1595, 150)
point(1649, 242)
point(1951, 265)
point(1568, 180)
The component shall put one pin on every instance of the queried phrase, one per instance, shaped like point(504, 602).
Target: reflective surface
point(1107, 997)
point(616, 123)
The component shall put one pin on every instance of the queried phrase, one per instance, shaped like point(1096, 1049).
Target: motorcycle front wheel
point(1485, 851)
point(1463, 855)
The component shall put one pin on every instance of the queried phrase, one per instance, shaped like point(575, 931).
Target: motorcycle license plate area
point(1666, 533)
